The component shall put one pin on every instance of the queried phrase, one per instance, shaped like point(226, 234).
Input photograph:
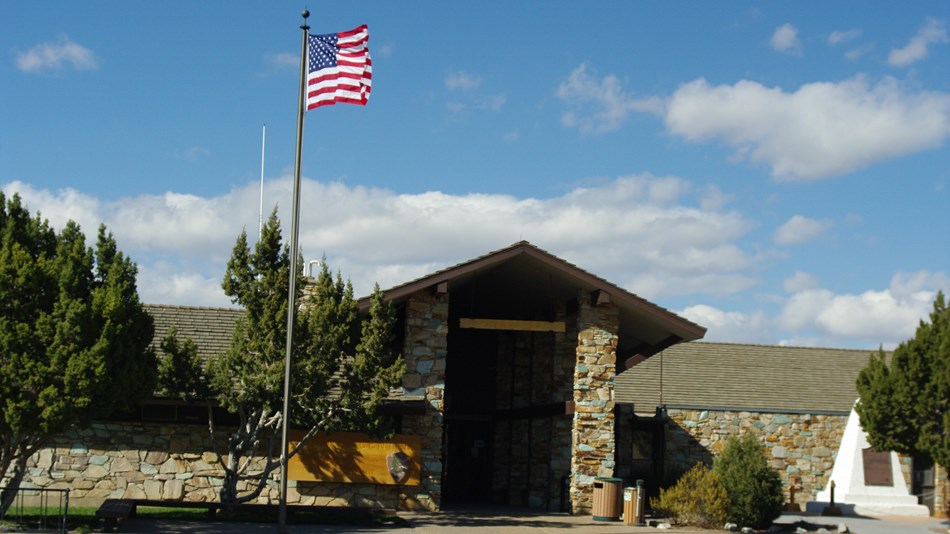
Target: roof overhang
point(524, 269)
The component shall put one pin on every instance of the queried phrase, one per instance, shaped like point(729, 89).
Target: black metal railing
point(37, 510)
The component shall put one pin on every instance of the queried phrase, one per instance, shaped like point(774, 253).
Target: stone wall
point(425, 350)
point(532, 454)
point(593, 437)
point(170, 462)
point(801, 447)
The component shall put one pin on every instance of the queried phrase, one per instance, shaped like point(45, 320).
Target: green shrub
point(697, 499)
point(755, 489)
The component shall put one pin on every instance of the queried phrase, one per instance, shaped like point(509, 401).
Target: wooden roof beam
point(643, 351)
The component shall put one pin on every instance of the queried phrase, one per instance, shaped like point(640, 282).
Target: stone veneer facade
point(593, 439)
point(165, 461)
point(547, 459)
point(425, 351)
point(801, 447)
point(169, 462)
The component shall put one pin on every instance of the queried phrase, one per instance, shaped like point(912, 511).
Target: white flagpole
point(260, 213)
point(291, 291)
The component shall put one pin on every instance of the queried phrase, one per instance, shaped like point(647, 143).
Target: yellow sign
point(355, 458)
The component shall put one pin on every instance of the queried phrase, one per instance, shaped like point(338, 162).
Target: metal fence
point(37, 510)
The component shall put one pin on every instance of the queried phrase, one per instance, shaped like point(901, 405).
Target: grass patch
point(83, 519)
point(268, 514)
point(78, 519)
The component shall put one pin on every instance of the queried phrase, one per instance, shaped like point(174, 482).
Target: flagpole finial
point(305, 14)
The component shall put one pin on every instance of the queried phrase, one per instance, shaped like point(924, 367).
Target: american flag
point(340, 68)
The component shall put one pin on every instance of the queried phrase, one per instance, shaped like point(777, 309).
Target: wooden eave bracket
point(643, 351)
point(599, 297)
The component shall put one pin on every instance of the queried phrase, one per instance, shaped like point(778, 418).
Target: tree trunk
point(13, 483)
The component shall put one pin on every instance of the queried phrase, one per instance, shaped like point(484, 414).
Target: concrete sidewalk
point(513, 520)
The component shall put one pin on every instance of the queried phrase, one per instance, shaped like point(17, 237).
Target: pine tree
point(342, 367)
point(74, 337)
point(905, 407)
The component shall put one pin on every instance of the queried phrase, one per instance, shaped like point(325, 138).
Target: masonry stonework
point(593, 437)
point(800, 447)
point(169, 462)
point(425, 350)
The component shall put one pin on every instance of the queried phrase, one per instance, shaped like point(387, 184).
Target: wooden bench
point(212, 507)
point(112, 510)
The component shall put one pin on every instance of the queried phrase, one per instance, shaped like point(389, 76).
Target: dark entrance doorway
point(469, 416)
point(648, 448)
point(924, 481)
point(469, 461)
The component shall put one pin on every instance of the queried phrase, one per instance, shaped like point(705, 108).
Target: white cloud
point(462, 80)
point(843, 36)
point(857, 53)
point(785, 39)
point(494, 102)
point(820, 130)
point(164, 282)
point(873, 318)
point(182, 242)
point(283, 60)
point(733, 327)
point(910, 285)
point(383, 50)
point(193, 153)
point(467, 98)
point(61, 206)
point(933, 31)
point(798, 230)
point(603, 103)
point(55, 56)
point(799, 282)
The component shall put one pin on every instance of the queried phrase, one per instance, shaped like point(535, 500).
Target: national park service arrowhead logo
point(398, 463)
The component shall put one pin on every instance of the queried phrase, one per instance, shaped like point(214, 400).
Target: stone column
point(427, 328)
point(593, 439)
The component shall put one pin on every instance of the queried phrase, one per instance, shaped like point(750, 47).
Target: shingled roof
point(525, 269)
point(209, 328)
point(745, 378)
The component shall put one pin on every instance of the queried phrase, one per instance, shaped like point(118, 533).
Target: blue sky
point(777, 172)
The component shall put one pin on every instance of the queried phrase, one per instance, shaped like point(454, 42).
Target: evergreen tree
point(181, 370)
point(342, 368)
point(905, 407)
point(755, 489)
point(74, 338)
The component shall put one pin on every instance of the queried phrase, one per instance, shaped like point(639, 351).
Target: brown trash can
point(630, 506)
point(607, 496)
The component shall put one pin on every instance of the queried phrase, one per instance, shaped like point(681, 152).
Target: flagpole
point(260, 213)
point(291, 291)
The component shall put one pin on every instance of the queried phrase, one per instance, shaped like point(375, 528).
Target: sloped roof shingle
point(745, 377)
point(210, 328)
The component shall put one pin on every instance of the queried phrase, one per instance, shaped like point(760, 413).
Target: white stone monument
point(866, 482)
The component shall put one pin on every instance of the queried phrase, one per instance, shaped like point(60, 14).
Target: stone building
point(680, 406)
point(511, 363)
point(527, 378)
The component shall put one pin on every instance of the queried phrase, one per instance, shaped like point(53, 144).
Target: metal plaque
point(877, 468)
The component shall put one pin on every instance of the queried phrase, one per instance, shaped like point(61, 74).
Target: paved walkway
point(507, 520)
